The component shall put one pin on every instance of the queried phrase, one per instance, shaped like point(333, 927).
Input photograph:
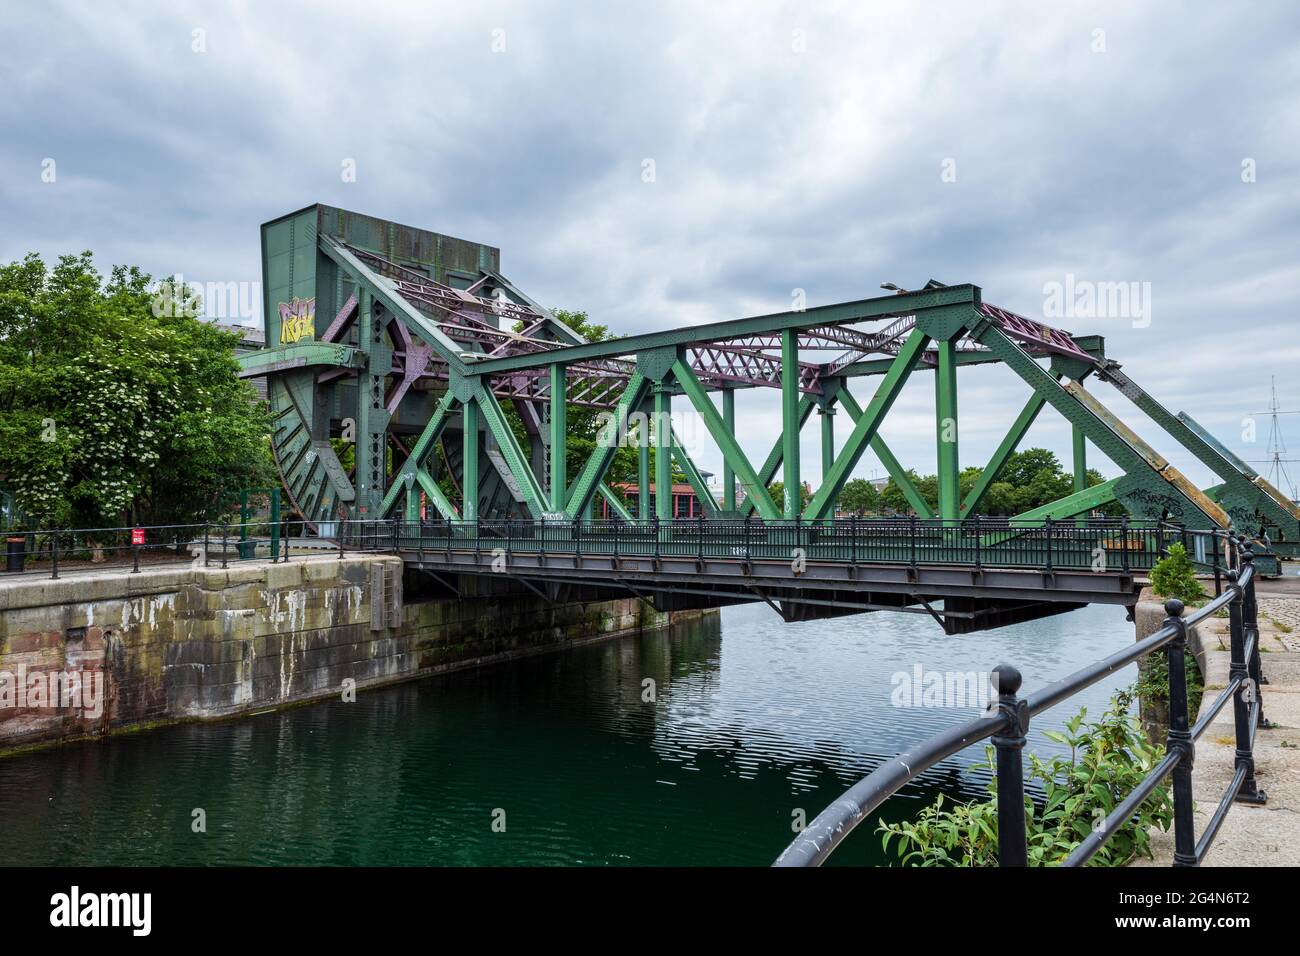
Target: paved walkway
point(1251, 835)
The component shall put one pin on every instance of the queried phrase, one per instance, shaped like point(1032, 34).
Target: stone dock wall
point(96, 653)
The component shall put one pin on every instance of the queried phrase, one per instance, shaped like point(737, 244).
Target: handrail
point(1008, 727)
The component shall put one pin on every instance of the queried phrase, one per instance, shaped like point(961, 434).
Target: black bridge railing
point(1110, 545)
point(1098, 544)
point(1008, 726)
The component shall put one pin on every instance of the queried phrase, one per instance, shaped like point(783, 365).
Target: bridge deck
point(985, 574)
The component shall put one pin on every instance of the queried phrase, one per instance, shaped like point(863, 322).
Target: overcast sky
point(827, 149)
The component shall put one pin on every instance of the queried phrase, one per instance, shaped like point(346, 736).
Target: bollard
point(1012, 846)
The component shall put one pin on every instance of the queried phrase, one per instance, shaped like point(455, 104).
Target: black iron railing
point(1007, 727)
point(1100, 545)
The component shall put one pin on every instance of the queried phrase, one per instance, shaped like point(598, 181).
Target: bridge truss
point(415, 350)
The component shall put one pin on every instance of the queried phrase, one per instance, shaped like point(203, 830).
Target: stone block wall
point(88, 655)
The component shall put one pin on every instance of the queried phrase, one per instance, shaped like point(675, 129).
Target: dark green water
point(754, 719)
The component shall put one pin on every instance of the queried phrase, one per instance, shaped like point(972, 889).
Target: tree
point(115, 405)
point(1028, 479)
point(860, 497)
point(776, 490)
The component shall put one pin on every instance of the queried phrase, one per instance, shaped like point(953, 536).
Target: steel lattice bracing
point(410, 379)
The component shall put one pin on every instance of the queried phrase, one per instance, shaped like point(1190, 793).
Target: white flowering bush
point(113, 414)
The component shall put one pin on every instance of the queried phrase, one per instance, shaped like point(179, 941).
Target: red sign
point(137, 535)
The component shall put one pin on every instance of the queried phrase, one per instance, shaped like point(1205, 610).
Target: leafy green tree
point(777, 492)
point(117, 406)
point(860, 497)
point(893, 499)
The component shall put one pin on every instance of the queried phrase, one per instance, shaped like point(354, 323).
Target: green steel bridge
point(416, 349)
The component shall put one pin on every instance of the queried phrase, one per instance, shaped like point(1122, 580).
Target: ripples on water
point(754, 719)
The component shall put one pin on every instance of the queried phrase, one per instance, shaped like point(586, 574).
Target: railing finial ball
point(1233, 574)
point(1174, 607)
point(1008, 680)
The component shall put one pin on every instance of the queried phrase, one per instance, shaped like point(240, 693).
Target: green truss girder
point(1071, 505)
point(1242, 497)
point(299, 355)
point(887, 458)
point(515, 457)
point(1010, 442)
point(1217, 445)
point(1092, 344)
point(370, 281)
point(1145, 489)
point(593, 472)
point(754, 487)
point(865, 427)
point(889, 306)
point(435, 495)
point(423, 445)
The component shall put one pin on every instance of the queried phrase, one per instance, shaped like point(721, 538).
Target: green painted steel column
point(945, 398)
point(275, 522)
point(729, 473)
point(1080, 459)
point(643, 439)
point(790, 421)
point(828, 440)
point(371, 424)
point(559, 437)
point(469, 465)
point(412, 501)
point(663, 452)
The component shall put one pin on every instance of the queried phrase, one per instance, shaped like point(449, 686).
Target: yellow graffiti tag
point(297, 320)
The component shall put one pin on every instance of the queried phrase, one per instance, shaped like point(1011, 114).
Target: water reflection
point(753, 719)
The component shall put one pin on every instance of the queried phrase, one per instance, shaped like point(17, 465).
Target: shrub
point(1108, 759)
point(1174, 577)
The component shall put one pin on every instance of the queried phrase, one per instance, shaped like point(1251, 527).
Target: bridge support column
point(372, 416)
point(559, 437)
point(1080, 458)
point(945, 393)
point(728, 473)
point(790, 421)
point(412, 501)
point(827, 414)
point(469, 466)
point(663, 432)
point(643, 440)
